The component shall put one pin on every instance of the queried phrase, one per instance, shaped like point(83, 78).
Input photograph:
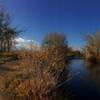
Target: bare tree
point(92, 47)
point(57, 43)
point(55, 39)
point(7, 33)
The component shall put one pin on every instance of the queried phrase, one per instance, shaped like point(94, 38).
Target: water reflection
point(85, 84)
point(94, 72)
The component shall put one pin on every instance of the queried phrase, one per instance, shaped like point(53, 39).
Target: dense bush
point(38, 88)
point(92, 47)
point(42, 70)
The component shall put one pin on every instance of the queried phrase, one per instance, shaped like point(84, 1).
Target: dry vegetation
point(37, 88)
point(34, 73)
point(92, 48)
point(30, 74)
point(37, 76)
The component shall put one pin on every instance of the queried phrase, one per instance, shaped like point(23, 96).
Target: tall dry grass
point(43, 69)
point(52, 58)
point(37, 88)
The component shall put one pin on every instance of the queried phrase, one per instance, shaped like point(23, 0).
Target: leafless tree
point(92, 47)
point(7, 33)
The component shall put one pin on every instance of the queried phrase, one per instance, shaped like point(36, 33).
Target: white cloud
point(25, 43)
point(20, 40)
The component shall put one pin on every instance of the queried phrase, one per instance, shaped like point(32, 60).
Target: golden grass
point(42, 68)
point(39, 88)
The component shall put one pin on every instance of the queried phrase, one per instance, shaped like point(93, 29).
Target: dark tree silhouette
point(7, 33)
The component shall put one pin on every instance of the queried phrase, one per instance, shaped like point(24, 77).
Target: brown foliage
point(38, 88)
point(92, 47)
point(43, 68)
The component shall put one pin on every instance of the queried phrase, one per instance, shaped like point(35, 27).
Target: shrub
point(40, 88)
point(41, 70)
point(92, 47)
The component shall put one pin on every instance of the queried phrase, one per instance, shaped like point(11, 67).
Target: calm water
point(85, 82)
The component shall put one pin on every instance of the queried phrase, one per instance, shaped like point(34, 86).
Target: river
point(85, 81)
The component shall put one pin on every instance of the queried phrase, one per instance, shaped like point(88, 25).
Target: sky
point(76, 18)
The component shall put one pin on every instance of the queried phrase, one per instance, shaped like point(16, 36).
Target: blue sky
point(76, 18)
